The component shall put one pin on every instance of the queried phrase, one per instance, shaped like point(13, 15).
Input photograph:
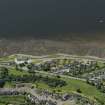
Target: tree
point(4, 72)
point(79, 91)
point(58, 76)
point(2, 83)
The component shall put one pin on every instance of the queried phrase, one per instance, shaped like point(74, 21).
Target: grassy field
point(9, 85)
point(17, 72)
point(85, 88)
point(101, 64)
point(16, 100)
point(72, 86)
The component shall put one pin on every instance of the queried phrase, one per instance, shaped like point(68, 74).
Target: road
point(63, 76)
point(61, 55)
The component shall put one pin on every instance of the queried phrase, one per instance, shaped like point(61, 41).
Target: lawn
point(101, 64)
point(6, 58)
point(12, 100)
point(73, 85)
point(41, 85)
point(35, 61)
point(17, 72)
point(86, 89)
point(9, 85)
point(2, 104)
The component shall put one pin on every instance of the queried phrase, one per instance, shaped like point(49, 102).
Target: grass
point(36, 61)
point(12, 100)
point(17, 72)
point(2, 103)
point(6, 58)
point(9, 85)
point(72, 86)
point(101, 64)
point(41, 85)
point(87, 90)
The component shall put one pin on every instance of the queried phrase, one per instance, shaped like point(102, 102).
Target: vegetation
point(9, 84)
point(59, 83)
point(50, 81)
point(74, 85)
point(17, 72)
point(16, 100)
point(3, 72)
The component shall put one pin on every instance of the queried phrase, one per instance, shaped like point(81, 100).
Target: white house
point(20, 61)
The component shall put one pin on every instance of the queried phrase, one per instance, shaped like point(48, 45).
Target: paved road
point(63, 56)
point(63, 76)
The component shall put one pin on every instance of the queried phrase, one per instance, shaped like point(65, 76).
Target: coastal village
point(48, 80)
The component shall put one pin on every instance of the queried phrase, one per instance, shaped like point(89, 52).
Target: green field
point(72, 86)
point(17, 72)
point(16, 100)
point(85, 88)
point(9, 85)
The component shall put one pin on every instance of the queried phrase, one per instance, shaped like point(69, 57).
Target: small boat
point(100, 20)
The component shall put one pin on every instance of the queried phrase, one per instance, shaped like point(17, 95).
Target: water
point(29, 17)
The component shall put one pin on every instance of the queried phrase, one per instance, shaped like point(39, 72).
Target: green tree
point(4, 72)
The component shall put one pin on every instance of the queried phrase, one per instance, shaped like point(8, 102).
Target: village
point(47, 80)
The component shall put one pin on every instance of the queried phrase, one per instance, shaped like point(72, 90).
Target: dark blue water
point(29, 17)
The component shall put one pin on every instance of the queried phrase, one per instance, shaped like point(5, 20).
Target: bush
point(79, 91)
point(2, 83)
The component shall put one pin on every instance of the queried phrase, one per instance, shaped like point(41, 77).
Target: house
point(22, 60)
